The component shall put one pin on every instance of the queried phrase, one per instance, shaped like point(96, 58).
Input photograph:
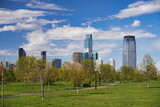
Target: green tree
point(88, 71)
point(9, 76)
point(26, 69)
point(107, 72)
point(127, 73)
point(148, 68)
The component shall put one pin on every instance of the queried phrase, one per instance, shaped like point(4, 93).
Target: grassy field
point(16, 88)
point(122, 95)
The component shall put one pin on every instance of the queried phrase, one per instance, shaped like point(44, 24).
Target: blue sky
point(60, 26)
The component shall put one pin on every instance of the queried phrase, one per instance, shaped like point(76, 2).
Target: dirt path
point(29, 94)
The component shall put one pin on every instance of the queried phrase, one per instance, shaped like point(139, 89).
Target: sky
point(59, 27)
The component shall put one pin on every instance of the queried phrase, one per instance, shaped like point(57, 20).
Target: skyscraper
point(99, 62)
point(77, 57)
point(43, 55)
point(129, 51)
point(111, 62)
point(88, 43)
point(21, 52)
point(94, 56)
point(56, 63)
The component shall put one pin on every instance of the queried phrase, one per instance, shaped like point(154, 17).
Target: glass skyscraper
point(94, 56)
point(88, 43)
point(129, 51)
point(56, 63)
point(88, 52)
point(21, 52)
point(43, 55)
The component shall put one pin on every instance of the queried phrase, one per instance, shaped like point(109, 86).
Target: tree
point(88, 71)
point(127, 73)
point(71, 73)
point(9, 76)
point(148, 68)
point(26, 69)
point(107, 72)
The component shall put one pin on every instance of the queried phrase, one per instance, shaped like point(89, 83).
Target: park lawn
point(121, 95)
point(15, 88)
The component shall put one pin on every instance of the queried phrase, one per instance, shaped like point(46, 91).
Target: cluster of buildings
point(55, 62)
point(89, 54)
point(7, 65)
point(129, 54)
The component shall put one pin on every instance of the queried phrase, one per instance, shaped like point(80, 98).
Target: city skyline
point(60, 26)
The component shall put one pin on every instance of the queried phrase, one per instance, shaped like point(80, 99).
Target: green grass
point(15, 88)
point(121, 95)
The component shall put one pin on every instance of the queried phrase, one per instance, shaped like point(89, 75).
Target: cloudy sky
point(60, 26)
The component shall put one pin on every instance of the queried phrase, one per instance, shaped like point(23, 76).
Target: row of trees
point(30, 69)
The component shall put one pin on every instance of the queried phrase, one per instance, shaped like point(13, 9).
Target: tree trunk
point(48, 84)
point(42, 87)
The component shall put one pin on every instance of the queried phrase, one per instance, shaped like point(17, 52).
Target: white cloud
point(15, 16)
point(103, 48)
point(39, 40)
point(19, 26)
point(44, 5)
point(6, 52)
point(139, 8)
point(92, 20)
point(136, 23)
point(30, 24)
point(149, 25)
point(24, 19)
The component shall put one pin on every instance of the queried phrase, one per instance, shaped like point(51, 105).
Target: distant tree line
point(30, 69)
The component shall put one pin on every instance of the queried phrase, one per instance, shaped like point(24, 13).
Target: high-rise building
point(77, 57)
point(99, 62)
point(88, 43)
point(56, 63)
point(129, 51)
point(43, 55)
point(21, 52)
point(94, 56)
point(5, 64)
point(112, 62)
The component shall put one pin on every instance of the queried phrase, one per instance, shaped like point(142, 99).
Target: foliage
point(107, 72)
point(148, 68)
point(88, 71)
point(127, 73)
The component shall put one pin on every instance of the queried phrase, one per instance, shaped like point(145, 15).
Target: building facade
point(112, 63)
point(129, 51)
point(77, 57)
point(21, 52)
point(94, 56)
point(43, 55)
point(56, 63)
point(99, 62)
point(88, 43)
point(88, 49)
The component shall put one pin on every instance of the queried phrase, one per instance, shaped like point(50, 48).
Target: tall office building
point(112, 62)
point(99, 62)
point(86, 55)
point(43, 55)
point(88, 43)
point(56, 63)
point(77, 57)
point(21, 52)
point(94, 56)
point(129, 51)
